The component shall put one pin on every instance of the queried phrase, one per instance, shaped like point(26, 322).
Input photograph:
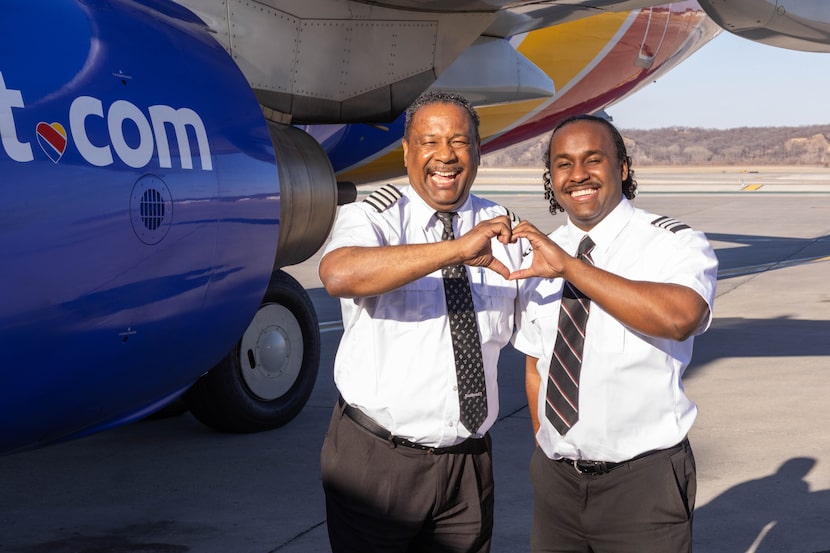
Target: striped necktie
point(562, 407)
point(466, 344)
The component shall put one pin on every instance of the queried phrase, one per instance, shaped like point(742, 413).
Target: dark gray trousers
point(398, 499)
point(645, 505)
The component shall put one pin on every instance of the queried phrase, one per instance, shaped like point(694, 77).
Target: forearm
point(532, 383)
point(657, 309)
point(351, 272)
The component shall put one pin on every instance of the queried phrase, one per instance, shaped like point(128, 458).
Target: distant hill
point(806, 145)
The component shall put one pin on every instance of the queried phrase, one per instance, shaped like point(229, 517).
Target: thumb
point(520, 274)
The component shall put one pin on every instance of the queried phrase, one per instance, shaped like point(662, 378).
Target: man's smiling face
point(441, 155)
point(586, 176)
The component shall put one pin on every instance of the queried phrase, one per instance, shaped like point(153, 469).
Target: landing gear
point(267, 378)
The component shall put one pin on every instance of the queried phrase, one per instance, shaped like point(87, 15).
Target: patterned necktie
point(466, 344)
point(562, 408)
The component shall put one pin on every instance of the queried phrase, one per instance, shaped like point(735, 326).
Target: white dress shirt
point(631, 397)
point(395, 361)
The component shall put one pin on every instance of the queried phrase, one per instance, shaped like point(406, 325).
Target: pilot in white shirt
point(385, 335)
point(400, 470)
point(613, 470)
point(631, 397)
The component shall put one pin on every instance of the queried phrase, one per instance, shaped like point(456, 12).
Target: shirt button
point(455, 388)
point(449, 424)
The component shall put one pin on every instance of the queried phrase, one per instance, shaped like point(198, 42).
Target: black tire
point(266, 380)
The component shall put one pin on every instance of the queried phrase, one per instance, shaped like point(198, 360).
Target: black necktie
point(466, 344)
point(562, 407)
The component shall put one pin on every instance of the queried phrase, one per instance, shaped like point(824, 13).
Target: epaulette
point(383, 198)
point(670, 224)
point(514, 219)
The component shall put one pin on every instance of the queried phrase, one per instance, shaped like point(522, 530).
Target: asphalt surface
point(759, 375)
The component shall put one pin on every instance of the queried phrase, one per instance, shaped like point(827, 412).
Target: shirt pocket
point(545, 326)
point(606, 333)
point(495, 300)
point(416, 302)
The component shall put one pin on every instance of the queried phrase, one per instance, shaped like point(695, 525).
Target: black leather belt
point(471, 445)
point(584, 466)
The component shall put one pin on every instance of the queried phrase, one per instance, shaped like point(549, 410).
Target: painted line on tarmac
point(763, 267)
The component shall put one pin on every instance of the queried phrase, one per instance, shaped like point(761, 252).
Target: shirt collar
point(604, 232)
point(424, 216)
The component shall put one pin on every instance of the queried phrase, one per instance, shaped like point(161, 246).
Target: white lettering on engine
point(152, 132)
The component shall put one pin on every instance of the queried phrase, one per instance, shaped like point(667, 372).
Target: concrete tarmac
point(759, 376)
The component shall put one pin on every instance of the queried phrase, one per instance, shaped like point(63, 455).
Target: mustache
point(568, 188)
point(445, 169)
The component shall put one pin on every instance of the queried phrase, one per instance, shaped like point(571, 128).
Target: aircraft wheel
point(266, 380)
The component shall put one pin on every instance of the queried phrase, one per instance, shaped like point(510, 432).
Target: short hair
point(629, 185)
point(439, 97)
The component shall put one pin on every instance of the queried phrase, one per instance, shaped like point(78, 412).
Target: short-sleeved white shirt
point(395, 361)
point(631, 397)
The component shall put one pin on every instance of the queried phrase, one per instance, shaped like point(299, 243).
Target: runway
point(759, 376)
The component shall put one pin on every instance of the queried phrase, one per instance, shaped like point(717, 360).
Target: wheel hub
point(271, 353)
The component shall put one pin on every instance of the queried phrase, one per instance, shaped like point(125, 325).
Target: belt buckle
point(590, 467)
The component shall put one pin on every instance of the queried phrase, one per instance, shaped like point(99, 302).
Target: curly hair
point(629, 185)
point(438, 97)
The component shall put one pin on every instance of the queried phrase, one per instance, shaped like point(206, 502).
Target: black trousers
point(398, 499)
point(643, 506)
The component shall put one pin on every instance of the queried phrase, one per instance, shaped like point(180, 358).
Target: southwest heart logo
point(52, 140)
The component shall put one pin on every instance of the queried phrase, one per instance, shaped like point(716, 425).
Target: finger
point(537, 239)
point(505, 235)
point(491, 229)
point(525, 232)
point(520, 274)
point(524, 226)
point(502, 219)
point(498, 267)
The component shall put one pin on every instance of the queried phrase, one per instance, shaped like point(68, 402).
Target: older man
point(421, 273)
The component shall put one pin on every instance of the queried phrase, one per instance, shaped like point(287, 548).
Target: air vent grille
point(151, 209)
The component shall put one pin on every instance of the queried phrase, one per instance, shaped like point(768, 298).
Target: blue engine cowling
point(140, 211)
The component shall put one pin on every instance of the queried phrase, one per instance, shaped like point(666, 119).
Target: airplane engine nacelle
point(141, 197)
point(794, 24)
point(308, 196)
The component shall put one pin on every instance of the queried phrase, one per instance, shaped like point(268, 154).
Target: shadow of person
point(774, 514)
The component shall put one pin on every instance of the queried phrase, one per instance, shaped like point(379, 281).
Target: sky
point(733, 82)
